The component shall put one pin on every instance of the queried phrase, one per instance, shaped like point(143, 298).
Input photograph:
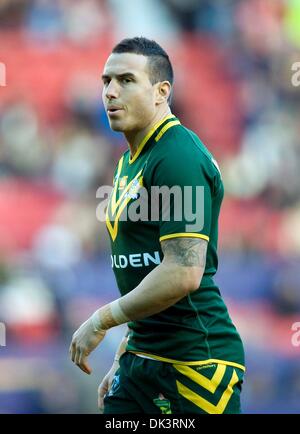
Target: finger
point(101, 402)
point(102, 390)
point(83, 364)
point(72, 351)
point(77, 356)
point(80, 361)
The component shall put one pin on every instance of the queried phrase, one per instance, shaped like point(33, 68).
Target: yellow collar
point(147, 137)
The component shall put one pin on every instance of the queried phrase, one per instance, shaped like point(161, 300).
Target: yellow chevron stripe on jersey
point(119, 205)
point(113, 199)
point(116, 204)
point(207, 406)
point(209, 384)
point(113, 229)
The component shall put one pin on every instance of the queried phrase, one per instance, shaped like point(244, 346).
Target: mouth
point(112, 111)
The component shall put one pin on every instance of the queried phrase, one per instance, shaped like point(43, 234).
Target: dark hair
point(159, 65)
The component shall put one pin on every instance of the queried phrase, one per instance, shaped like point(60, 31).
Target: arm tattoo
point(188, 252)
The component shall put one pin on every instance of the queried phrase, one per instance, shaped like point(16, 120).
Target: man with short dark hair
point(182, 353)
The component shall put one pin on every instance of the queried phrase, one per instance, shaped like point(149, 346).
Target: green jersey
point(198, 327)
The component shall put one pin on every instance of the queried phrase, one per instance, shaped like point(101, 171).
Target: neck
point(134, 138)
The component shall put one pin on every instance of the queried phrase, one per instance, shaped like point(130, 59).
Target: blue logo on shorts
point(114, 385)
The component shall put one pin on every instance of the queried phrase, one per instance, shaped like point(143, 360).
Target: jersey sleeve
point(185, 198)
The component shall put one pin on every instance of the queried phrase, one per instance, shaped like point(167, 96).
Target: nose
point(112, 90)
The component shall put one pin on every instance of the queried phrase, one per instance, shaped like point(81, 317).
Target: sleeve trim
point(184, 235)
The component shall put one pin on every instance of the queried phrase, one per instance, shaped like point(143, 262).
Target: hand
point(105, 385)
point(84, 341)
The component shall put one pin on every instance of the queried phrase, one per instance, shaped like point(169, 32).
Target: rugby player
point(182, 352)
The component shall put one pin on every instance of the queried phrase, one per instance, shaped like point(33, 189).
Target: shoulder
point(182, 148)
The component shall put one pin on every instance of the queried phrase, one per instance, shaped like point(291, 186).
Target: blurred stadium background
point(233, 86)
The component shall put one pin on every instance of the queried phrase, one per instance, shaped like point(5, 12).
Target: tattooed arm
point(187, 252)
point(179, 274)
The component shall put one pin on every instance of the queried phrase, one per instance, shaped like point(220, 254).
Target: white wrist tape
point(96, 321)
point(112, 313)
point(118, 313)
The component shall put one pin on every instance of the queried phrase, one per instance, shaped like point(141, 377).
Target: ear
point(163, 91)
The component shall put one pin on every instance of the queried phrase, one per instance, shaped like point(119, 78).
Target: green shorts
point(150, 386)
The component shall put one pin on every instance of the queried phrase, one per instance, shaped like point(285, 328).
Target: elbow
point(192, 279)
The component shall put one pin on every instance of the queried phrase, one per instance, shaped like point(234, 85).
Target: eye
point(126, 80)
